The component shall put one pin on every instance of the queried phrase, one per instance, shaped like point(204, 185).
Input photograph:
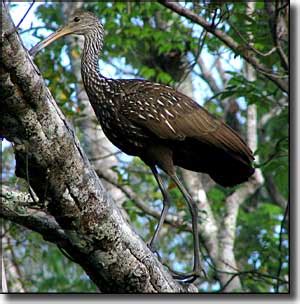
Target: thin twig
point(22, 19)
point(34, 28)
point(92, 159)
point(273, 154)
point(248, 45)
point(191, 66)
point(279, 248)
point(20, 22)
point(228, 40)
point(235, 273)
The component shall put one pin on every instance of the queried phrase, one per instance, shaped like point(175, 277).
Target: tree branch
point(274, 21)
point(14, 206)
point(226, 39)
point(101, 241)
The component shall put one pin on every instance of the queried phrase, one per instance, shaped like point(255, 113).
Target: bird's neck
point(91, 75)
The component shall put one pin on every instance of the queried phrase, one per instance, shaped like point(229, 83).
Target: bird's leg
point(194, 213)
point(166, 205)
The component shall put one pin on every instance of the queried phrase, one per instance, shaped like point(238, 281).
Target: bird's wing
point(171, 115)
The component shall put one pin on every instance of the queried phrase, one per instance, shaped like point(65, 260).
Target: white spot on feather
point(160, 102)
point(169, 113)
point(142, 117)
point(170, 126)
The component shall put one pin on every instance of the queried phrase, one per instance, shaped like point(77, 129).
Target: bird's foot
point(185, 278)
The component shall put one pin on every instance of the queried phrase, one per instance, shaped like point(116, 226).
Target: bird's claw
point(185, 278)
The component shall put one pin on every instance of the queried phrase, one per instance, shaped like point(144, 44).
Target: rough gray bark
point(49, 156)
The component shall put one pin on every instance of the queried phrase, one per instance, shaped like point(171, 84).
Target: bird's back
point(153, 115)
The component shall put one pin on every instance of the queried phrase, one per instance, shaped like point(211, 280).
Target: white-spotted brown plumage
point(160, 125)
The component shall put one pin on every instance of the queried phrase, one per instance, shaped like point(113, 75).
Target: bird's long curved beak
point(63, 31)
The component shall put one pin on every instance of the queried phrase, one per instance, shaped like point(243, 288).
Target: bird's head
point(79, 23)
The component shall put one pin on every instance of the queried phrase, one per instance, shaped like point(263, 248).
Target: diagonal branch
point(229, 41)
point(14, 207)
point(101, 241)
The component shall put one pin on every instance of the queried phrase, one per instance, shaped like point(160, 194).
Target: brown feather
point(200, 141)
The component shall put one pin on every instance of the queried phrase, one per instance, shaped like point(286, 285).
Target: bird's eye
point(76, 19)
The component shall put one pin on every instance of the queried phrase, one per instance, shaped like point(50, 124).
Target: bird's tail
point(231, 173)
point(236, 158)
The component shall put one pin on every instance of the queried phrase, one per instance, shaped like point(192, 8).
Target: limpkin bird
point(160, 125)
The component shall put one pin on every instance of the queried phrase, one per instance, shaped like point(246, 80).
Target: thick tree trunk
point(49, 156)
